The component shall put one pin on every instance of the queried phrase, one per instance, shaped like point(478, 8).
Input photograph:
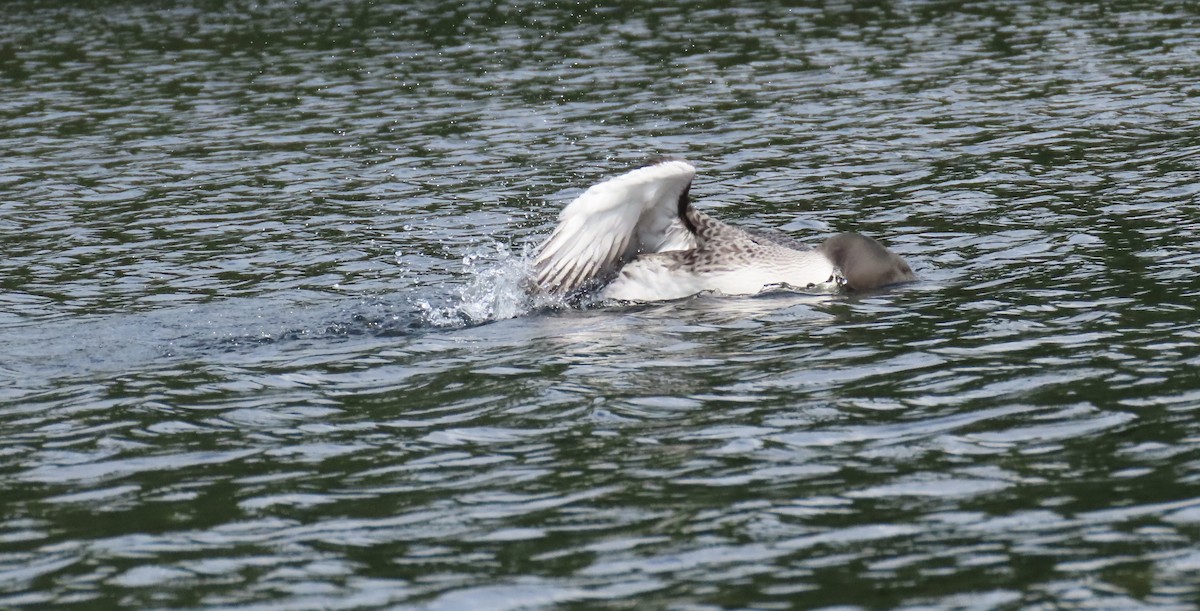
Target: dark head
point(865, 263)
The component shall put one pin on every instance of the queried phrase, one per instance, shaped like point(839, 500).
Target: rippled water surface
point(263, 343)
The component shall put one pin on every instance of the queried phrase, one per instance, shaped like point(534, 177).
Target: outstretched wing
point(633, 213)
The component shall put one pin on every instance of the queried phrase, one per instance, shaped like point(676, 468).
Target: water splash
point(497, 288)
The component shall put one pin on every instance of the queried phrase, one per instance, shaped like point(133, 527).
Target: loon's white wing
point(637, 212)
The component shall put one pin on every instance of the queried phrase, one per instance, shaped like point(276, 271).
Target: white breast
point(655, 278)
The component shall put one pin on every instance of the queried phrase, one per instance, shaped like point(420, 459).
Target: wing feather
point(615, 219)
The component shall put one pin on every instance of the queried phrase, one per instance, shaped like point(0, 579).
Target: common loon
point(637, 237)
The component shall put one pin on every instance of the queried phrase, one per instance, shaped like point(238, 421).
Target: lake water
point(263, 346)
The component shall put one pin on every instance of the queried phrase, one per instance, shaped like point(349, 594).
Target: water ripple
point(266, 344)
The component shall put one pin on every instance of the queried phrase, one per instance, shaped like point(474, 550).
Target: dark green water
point(262, 344)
